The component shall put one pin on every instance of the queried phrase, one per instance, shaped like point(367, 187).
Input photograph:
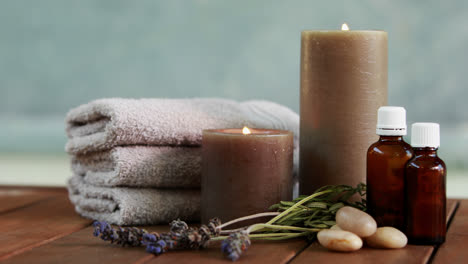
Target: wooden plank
point(459, 224)
point(453, 251)
point(452, 206)
point(34, 188)
point(14, 198)
point(454, 248)
point(81, 247)
point(409, 254)
point(44, 233)
point(259, 252)
point(38, 224)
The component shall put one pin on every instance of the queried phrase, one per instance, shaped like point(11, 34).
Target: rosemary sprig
point(319, 209)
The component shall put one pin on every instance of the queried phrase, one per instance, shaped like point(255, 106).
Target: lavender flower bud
point(178, 226)
point(235, 245)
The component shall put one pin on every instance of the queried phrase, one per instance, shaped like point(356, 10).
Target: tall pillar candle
point(343, 83)
point(244, 173)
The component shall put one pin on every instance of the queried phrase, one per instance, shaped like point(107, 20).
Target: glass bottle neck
point(390, 138)
point(427, 151)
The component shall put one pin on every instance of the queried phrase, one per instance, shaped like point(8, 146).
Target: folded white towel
point(138, 206)
point(106, 123)
point(141, 166)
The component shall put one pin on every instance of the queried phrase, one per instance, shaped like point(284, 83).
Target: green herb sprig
point(319, 211)
point(305, 215)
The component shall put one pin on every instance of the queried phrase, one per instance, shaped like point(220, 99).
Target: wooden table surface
point(39, 225)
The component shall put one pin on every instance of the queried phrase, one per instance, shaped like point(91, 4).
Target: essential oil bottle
point(386, 160)
point(425, 187)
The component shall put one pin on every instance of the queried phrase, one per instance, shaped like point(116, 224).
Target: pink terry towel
point(106, 123)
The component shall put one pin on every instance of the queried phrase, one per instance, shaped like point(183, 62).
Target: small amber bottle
point(425, 187)
point(386, 160)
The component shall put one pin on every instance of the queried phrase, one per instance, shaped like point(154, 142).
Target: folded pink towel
point(141, 166)
point(133, 206)
point(107, 123)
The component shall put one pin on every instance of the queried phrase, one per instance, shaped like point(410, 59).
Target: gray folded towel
point(106, 123)
point(127, 206)
point(152, 143)
point(141, 166)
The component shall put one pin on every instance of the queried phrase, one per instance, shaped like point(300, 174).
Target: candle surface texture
point(243, 174)
point(343, 83)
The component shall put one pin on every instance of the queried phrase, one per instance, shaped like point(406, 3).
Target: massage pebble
point(339, 240)
point(387, 237)
point(356, 221)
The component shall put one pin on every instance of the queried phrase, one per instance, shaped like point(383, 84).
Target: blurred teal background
point(57, 54)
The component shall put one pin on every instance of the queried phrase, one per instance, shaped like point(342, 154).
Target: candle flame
point(246, 131)
point(344, 27)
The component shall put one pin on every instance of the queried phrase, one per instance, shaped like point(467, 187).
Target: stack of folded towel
point(138, 161)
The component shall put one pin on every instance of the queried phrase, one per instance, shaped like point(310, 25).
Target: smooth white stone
point(339, 240)
point(356, 221)
point(387, 237)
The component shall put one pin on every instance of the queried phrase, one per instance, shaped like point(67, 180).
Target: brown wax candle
point(244, 174)
point(343, 83)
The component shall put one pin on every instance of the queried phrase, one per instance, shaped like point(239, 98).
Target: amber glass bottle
point(425, 188)
point(386, 160)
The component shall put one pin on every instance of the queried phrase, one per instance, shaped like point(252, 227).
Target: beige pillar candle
point(243, 174)
point(343, 83)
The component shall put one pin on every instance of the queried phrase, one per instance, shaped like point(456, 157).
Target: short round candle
point(244, 173)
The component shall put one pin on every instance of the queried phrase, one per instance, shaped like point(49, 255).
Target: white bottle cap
point(425, 135)
point(391, 121)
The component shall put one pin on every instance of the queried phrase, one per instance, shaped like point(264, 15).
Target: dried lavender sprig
point(180, 236)
point(155, 244)
point(123, 236)
point(235, 245)
point(178, 225)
